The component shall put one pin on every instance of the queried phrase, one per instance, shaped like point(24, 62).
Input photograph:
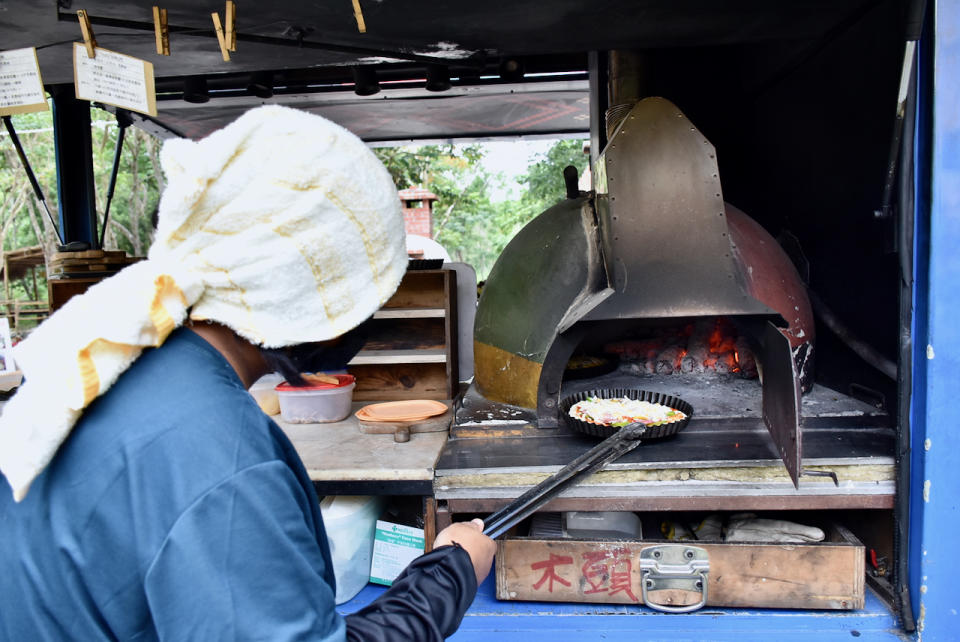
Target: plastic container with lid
point(320, 403)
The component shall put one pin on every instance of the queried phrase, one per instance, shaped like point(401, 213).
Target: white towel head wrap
point(282, 226)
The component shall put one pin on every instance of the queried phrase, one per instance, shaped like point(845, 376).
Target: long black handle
point(123, 121)
point(608, 450)
point(33, 179)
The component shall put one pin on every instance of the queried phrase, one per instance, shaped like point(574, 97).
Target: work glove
point(709, 530)
point(675, 531)
point(747, 527)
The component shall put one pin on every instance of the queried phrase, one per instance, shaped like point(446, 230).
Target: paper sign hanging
point(114, 79)
point(21, 88)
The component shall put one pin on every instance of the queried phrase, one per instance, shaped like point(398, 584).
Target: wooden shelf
point(411, 350)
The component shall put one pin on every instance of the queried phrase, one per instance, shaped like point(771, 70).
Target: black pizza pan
point(654, 431)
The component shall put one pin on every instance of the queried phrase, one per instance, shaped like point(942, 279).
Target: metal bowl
point(654, 431)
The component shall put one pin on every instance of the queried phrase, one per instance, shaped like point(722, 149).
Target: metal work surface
point(714, 396)
point(726, 430)
point(725, 454)
point(491, 619)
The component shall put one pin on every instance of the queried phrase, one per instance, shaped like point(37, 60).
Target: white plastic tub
point(350, 523)
point(322, 403)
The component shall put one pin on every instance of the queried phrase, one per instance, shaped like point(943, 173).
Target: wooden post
point(429, 523)
point(444, 517)
point(6, 277)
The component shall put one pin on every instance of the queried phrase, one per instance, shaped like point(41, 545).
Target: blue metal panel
point(490, 619)
point(935, 515)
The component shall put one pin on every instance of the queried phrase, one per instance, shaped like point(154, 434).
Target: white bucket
point(350, 523)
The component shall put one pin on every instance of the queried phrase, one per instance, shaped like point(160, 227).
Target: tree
point(23, 221)
point(544, 180)
point(473, 228)
point(463, 208)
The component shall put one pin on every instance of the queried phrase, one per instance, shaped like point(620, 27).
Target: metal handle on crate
point(610, 449)
point(674, 567)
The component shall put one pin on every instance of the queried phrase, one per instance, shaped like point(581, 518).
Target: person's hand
point(470, 537)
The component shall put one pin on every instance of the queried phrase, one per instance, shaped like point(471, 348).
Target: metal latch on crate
point(674, 567)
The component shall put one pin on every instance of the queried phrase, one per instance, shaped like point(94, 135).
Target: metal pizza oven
point(655, 245)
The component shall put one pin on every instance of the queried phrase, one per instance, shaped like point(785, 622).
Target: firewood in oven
point(698, 347)
point(745, 358)
point(669, 360)
point(725, 362)
point(695, 359)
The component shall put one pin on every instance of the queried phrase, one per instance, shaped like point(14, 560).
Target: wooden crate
point(824, 575)
point(411, 352)
point(79, 263)
point(72, 273)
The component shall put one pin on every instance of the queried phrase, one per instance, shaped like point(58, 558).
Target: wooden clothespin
point(161, 31)
point(358, 14)
point(224, 51)
point(230, 17)
point(88, 40)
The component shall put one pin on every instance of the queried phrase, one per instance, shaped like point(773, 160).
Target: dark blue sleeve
point(425, 603)
point(243, 562)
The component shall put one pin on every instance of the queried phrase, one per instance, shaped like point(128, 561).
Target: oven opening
point(698, 346)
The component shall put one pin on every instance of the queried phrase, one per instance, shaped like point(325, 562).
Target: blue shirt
point(176, 509)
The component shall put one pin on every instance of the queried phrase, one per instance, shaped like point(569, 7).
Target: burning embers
point(709, 344)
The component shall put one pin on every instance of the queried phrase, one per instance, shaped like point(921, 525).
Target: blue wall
point(935, 518)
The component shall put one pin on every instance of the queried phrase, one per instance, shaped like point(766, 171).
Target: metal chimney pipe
point(628, 81)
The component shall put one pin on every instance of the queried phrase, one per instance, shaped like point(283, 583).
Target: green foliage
point(23, 221)
point(136, 191)
point(544, 180)
point(466, 220)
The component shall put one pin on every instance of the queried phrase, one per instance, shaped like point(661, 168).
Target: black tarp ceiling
point(313, 47)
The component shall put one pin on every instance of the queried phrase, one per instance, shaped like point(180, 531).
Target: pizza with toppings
point(622, 411)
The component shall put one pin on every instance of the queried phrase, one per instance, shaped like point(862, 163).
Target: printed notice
point(114, 79)
point(394, 546)
point(21, 88)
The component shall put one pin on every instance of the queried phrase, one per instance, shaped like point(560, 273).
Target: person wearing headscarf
point(149, 497)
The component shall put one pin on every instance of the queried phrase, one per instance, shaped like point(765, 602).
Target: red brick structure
point(418, 211)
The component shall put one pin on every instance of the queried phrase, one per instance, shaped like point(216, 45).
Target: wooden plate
point(408, 410)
